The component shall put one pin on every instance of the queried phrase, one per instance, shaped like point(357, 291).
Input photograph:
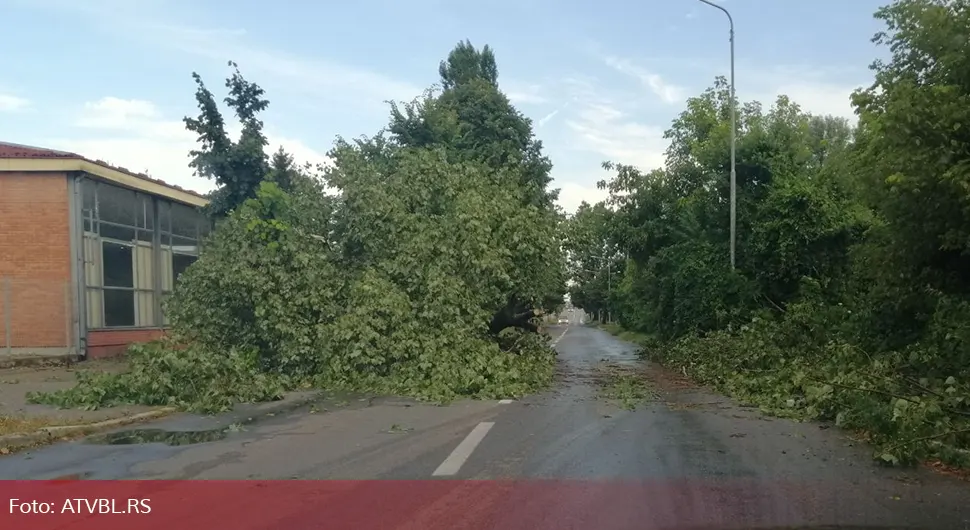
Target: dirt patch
point(669, 380)
point(21, 423)
point(713, 405)
point(951, 471)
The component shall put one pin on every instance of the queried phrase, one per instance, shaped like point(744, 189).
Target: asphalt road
point(684, 458)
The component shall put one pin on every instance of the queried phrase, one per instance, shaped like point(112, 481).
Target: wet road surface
point(568, 458)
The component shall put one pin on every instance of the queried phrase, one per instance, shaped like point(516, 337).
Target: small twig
point(917, 384)
point(937, 394)
point(890, 394)
point(925, 438)
point(872, 390)
point(772, 302)
point(864, 352)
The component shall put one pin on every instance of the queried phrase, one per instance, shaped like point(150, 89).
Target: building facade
point(88, 252)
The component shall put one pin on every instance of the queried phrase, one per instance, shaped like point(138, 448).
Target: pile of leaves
point(417, 263)
point(622, 385)
point(850, 301)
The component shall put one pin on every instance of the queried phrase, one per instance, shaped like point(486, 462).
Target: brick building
point(87, 253)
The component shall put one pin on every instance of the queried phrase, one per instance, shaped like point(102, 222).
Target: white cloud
point(132, 116)
point(523, 94)
point(819, 98)
point(301, 152)
point(545, 119)
point(136, 135)
point(599, 123)
point(316, 77)
point(548, 117)
point(814, 90)
point(11, 103)
point(603, 129)
point(571, 195)
point(667, 92)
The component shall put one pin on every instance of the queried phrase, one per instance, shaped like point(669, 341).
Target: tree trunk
point(515, 316)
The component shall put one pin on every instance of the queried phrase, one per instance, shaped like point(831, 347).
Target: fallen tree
point(420, 273)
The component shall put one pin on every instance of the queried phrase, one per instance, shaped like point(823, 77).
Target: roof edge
point(105, 172)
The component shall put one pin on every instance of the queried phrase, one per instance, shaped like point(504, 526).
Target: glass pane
point(87, 194)
point(180, 262)
point(116, 261)
point(145, 235)
point(146, 212)
point(185, 221)
point(119, 308)
point(185, 245)
point(205, 228)
point(164, 216)
point(117, 205)
point(117, 232)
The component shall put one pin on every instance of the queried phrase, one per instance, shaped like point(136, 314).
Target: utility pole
point(733, 137)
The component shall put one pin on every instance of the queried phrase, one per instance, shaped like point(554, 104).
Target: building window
point(180, 262)
point(118, 262)
point(119, 308)
point(135, 247)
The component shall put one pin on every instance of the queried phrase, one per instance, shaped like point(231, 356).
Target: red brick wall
point(114, 342)
point(35, 260)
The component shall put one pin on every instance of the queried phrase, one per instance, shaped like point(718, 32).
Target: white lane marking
point(505, 401)
point(457, 458)
point(561, 335)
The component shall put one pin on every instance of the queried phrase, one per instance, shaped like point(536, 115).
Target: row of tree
point(851, 297)
point(418, 263)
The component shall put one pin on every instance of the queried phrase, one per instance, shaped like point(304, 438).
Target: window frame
point(149, 211)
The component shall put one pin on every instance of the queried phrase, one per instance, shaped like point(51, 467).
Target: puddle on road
point(182, 437)
point(150, 436)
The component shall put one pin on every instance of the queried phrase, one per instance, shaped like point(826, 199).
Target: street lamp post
point(733, 136)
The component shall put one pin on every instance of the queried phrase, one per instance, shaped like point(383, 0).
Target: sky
point(111, 79)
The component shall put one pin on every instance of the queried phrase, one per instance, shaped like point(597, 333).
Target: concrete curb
point(49, 434)
point(38, 361)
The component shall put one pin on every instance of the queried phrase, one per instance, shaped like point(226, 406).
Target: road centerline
point(561, 335)
point(460, 455)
